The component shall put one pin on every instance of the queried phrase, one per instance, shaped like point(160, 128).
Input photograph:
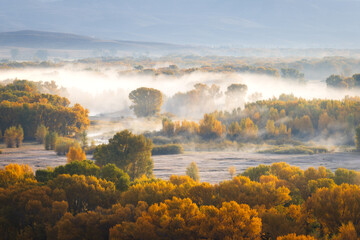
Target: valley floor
point(213, 166)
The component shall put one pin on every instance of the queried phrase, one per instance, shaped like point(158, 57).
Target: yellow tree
point(210, 127)
point(75, 154)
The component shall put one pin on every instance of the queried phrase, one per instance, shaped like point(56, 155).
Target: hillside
point(54, 40)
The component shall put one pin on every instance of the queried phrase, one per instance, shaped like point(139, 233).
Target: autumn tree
point(75, 154)
point(234, 130)
point(357, 139)
point(235, 95)
point(232, 171)
point(146, 101)
point(211, 128)
point(347, 232)
point(84, 193)
point(293, 236)
point(129, 152)
point(41, 133)
point(50, 140)
point(16, 173)
point(335, 206)
point(14, 136)
point(193, 171)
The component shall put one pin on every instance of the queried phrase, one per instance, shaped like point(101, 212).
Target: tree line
point(283, 118)
point(22, 103)
point(82, 200)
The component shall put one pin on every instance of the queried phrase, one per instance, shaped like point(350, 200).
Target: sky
point(240, 23)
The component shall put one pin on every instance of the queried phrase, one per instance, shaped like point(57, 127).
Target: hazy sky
point(257, 23)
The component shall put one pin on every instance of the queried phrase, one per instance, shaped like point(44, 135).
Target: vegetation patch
point(295, 150)
point(167, 149)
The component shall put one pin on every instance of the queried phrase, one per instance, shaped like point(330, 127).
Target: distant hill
point(54, 40)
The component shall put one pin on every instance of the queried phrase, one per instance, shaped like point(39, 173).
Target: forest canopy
point(22, 103)
point(82, 200)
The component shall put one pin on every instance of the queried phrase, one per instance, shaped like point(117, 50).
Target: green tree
point(129, 152)
point(114, 174)
point(193, 171)
point(146, 101)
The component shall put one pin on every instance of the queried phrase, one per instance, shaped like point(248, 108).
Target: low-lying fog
point(106, 90)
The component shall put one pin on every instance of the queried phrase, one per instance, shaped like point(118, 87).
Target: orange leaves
point(15, 173)
point(75, 154)
point(336, 206)
point(182, 219)
point(211, 128)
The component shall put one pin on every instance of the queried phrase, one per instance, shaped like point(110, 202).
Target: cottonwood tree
point(146, 101)
point(129, 152)
point(193, 171)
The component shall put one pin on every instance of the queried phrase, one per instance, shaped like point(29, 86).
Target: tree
point(114, 174)
point(193, 171)
point(84, 193)
point(232, 171)
point(335, 206)
point(235, 95)
point(347, 232)
point(129, 152)
point(75, 154)
point(210, 127)
point(357, 138)
point(293, 236)
point(19, 136)
point(50, 140)
point(41, 133)
point(146, 101)
point(82, 138)
point(14, 136)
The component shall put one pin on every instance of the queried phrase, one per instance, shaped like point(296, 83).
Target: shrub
point(295, 150)
point(161, 140)
point(167, 149)
point(63, 144)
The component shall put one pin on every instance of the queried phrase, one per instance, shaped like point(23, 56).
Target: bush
point(167, 149)
point(63, 145)
point(295, 150)
point(161, 140)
